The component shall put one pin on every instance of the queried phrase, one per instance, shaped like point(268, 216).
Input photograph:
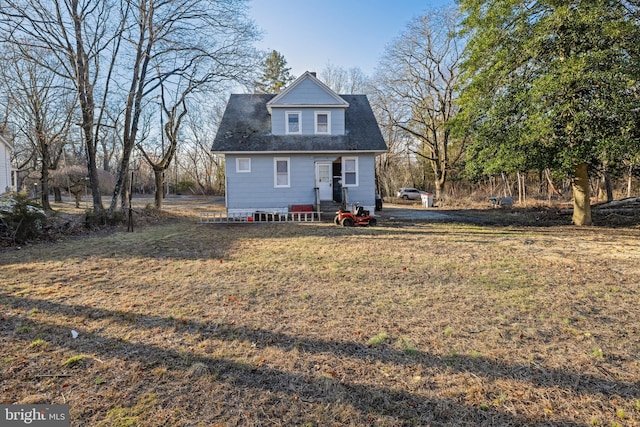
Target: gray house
point(6, 172)
point(306, 146)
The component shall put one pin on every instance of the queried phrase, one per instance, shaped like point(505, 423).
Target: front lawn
point(180, 323)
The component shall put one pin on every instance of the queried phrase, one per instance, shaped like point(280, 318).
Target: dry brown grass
point(311, 324)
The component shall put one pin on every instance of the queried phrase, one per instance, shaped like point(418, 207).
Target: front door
point(323, 180)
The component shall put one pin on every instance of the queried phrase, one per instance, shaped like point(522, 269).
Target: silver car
point(409, 193)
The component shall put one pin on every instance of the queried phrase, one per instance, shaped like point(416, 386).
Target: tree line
point(511, 97)
point(91, 80)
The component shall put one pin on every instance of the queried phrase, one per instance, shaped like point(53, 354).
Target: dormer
point(307, 107)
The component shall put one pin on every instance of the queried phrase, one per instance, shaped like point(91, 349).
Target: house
point(306, 146)
point(6, 172)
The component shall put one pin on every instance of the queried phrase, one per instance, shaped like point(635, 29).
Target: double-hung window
point(282, 176)
point(293, 122)
point(323, 122)
point(350, 171)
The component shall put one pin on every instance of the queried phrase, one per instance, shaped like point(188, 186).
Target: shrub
point(20, 218)
point(185, 187)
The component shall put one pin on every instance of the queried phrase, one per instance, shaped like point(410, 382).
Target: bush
point(20, 218)
point(185, 187)
point(94, 220)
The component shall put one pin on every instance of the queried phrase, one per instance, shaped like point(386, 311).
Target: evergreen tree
point(551, 84)
point(275, 74)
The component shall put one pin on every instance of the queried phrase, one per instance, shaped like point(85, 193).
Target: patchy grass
point(378, 339)
point(74, 360)
point(270, 324)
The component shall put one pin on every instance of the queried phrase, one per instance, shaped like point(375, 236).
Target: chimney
point(313, 73)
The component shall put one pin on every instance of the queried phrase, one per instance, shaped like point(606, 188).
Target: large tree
point(39, 110)
point(106, 48)
point(344, 81)
point(275, 74)
point(550, 84)
point(191, 45)
point(174, 112)
point(79, 34)
point(418, 77)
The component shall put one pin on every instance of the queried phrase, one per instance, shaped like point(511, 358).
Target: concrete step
point(328, 209)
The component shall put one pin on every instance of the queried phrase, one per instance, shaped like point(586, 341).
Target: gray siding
point(278, 121)
point(307, 92)
point(256, 190)
point(5, 168)
point(365, 192)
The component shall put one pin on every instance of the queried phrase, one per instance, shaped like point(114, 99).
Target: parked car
point(409, 193)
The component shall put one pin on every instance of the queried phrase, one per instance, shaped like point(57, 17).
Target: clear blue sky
point(345, 33)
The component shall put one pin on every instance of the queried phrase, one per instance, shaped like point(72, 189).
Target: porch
point(320, 210)
point(258, 217)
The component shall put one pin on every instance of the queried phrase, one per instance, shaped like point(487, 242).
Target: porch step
point(328, 209)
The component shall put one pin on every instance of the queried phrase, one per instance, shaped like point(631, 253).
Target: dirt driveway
point(412, 213)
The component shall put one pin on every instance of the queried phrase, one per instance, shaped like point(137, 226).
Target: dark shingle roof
point(246, 127)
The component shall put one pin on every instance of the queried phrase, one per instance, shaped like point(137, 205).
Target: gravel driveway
point(412, 213)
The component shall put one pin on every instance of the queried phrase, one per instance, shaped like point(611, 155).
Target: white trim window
point(349, 171)
point(293, 123)
point(323, 122)
point(243, 165)
point(282, 172)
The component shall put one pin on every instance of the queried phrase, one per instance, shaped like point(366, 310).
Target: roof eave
point(223, 152)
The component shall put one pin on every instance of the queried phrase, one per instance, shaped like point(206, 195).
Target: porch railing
point(257, 217)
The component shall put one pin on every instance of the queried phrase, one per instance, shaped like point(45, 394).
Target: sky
point(344, 33)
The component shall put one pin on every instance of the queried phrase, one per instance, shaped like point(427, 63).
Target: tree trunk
point(581, 196)
point(158, 173)
point(44, 182)
point(629, 180)
point(440, 174)
point(438, 185)
point(606, 181)
point(57, 194)
point(521, 187)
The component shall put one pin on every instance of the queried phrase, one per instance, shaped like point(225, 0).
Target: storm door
point(323, 180)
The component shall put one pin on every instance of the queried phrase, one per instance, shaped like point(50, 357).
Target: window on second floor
point(293, 122)
point(323, 122)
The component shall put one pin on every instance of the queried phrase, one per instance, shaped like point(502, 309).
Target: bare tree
point(418, 77)
point(204, 167)
point(105, 47)
point(197, 41)
point(82, 35)
point(41, 111)
point(174, 114)
point(344, 81)
point(392, 172)
point(208, 48)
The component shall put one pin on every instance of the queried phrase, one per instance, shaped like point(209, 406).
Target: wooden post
point(130, 216)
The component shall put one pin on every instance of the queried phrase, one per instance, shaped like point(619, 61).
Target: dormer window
point(293, 122)
point(323, 122)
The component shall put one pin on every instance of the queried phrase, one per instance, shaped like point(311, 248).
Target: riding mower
point(359, 216)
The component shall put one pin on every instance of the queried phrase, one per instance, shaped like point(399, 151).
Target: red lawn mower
point(359, 216)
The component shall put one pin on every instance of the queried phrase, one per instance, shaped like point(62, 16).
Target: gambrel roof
point(246, 127)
